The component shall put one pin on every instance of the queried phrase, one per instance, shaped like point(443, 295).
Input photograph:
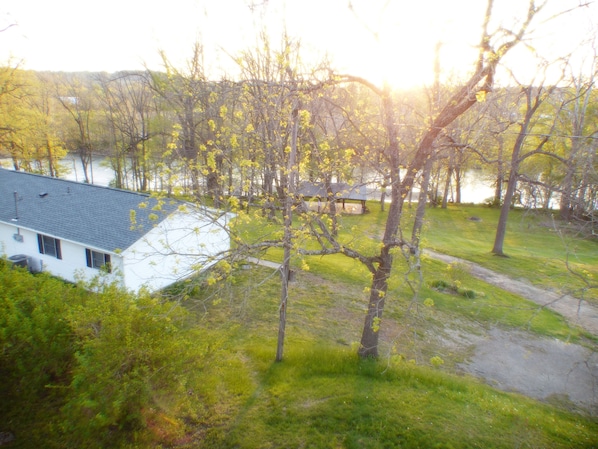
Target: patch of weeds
point(455, 289)
point(457, 272)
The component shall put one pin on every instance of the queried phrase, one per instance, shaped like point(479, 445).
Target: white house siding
point(178, 247)
point(12, 247)
point(72, 265)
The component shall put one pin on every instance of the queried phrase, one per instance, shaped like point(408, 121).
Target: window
point(98, 260)
point(49, 246)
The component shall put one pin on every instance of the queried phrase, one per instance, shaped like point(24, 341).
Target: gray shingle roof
point(95, 216)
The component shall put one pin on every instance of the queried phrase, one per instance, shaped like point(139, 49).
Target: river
point(474, 189)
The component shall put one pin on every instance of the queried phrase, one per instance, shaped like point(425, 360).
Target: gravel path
point(542, 368)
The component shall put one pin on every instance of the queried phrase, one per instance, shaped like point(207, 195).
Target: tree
point(493, 47)
point(129, 101)
point(14, 89)
point(498, 116)
point(579, 123)
point(47, 144)
point(289, 203)
point(75, 93)
point(187, 93)
point(275, 90)
point(268, 75)
point(534, 97)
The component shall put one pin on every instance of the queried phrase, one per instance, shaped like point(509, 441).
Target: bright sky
point(381, 40)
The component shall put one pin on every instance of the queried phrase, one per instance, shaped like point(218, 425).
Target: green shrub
point(36, 345)
point(132, 349)
point(85, 369)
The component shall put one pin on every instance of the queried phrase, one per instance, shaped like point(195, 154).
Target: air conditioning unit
point(19, 260)
point(24, 261)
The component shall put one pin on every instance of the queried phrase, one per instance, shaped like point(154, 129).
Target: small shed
point(342, 192)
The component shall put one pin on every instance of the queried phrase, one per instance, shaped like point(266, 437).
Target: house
point(341, 191)
point(77, 231)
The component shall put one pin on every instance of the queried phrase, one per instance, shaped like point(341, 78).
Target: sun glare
point(395, 43)
point(384, 41)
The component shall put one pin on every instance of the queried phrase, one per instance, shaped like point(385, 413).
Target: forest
point(179, 132)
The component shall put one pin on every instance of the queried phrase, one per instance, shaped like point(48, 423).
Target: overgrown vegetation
point(81, 369)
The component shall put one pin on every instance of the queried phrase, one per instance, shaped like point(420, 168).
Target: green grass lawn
point(538, 246)
point(323, 396)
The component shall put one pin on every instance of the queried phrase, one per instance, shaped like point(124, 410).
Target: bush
point(454, 288)
point(132, 349)
point(83, 369)
point(36, 344)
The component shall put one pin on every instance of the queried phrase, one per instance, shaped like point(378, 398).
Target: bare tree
point(492, 49)
point(75, 94)
point(129, 103)
point(582, 130)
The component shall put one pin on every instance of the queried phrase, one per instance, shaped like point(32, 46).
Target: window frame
point(91, 257)
point(50, 246)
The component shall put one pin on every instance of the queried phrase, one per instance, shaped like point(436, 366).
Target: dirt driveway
point(545, 369)
point(542, 368)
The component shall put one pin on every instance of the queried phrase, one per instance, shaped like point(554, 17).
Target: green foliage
point(130, 349)
point(454, 288)
point(98, 364)
point(36, 345)
point(457, 273)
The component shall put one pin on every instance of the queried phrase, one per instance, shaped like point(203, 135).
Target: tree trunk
point(421, 203)
point(447, 186)
point(500, 173)
point(534, 98)
point(85, 164)
point(458, 172)
point(383, 188)
point(371, 327)
point(567, 205)
point(399, 191)
point(331, 200)
point(289, 200)
point(480, 82)
point(501, 228)
point(285, 273)
point(51, 167)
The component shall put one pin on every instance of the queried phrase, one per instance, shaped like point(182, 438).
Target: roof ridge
point(97, 186)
